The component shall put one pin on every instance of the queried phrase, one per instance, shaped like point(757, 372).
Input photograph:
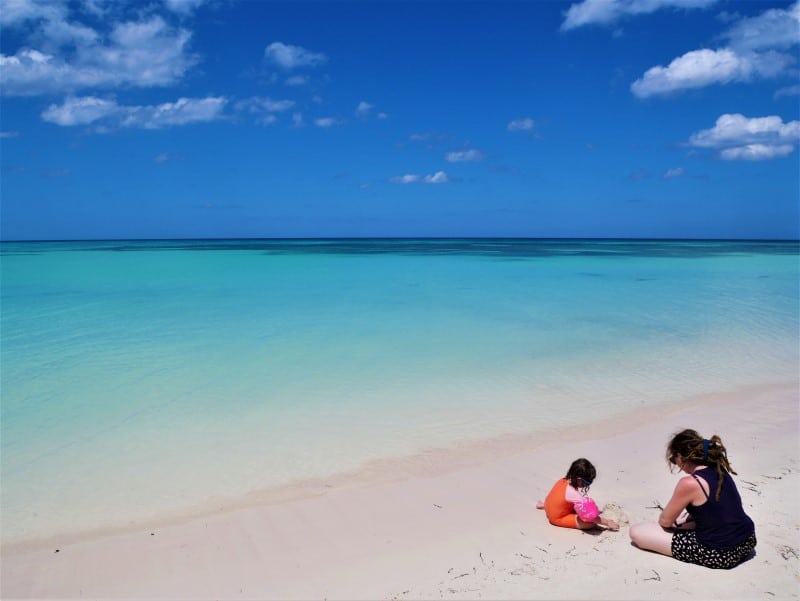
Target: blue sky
point(223, 118)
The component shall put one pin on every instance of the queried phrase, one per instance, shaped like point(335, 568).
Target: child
point(567, 504)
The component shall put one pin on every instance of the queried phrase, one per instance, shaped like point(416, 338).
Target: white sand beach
point(461, 525)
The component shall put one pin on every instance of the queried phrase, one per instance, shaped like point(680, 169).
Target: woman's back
point(724, 523)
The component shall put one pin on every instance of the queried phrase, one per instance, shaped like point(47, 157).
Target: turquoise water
point(146, 378)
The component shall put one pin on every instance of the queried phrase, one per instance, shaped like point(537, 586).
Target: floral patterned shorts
point(685, 547)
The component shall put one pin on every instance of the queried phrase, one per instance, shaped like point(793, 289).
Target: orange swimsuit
point(559, 511)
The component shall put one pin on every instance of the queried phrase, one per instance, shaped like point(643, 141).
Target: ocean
point(144, 379)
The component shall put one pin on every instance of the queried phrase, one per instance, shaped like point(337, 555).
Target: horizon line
point(363, 238)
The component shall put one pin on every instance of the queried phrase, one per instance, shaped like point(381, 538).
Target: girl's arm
point(685, 492)
point(572, 495)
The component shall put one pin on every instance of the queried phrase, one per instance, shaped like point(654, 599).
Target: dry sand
point(462, 525)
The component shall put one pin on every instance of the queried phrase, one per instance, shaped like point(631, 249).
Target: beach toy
point(587, 509)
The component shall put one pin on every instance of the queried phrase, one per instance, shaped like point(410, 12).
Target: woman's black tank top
point(720, 524)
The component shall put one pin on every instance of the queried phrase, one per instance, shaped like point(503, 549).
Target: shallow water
point(140, 378)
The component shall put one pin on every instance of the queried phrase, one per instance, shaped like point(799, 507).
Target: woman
point(717, 533)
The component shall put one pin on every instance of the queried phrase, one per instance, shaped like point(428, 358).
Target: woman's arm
point(685, 492)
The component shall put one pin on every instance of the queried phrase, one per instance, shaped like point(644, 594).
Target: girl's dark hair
point(696, 449)
point(581, 468)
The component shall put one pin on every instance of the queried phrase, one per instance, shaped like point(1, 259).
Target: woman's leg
point(652, 537)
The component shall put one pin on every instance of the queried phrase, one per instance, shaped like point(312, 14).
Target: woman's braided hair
point(696, 449)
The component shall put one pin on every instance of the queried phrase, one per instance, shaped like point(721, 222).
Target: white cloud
point(672, 173)
point(787, 91)
point(326, 122)
point(288, 57)
point(741, 138)
point(408, 178)
point(363, 109)
point(440, 177)
point(183, 7)
point(524, 124)
point(8, 134)
point(58, 33)
point(99, 8)
point(264, 108)
point(756, 152)
point(181, 112)
point(774, 28)
point(296, 80)
point(89, 110)
point(80, 111)
point(143, 54)
point(460, 156)
point(297, 119)
point(277, 106)
point(753, 51)
point(16, 12)
point(606, 12)
point(700, 68)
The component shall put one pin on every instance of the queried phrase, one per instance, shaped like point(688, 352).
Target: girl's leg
point(652, 537)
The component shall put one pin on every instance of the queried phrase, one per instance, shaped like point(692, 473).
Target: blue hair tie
point(705, 449)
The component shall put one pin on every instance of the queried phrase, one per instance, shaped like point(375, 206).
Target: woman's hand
point(684, 520)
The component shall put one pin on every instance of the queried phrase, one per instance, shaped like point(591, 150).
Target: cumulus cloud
point(326, 122)
point(143, 54)
point(440, 177)
point(774, 28)
point(524, 124)
point(672, 173)
point(273, 106)
point(80, 111)
point(460, 156)
point(754, 51)
point(108, 114)
point(363, 109)
point(788, 91)
point(737, 137)
point(15, 12)
point(607, 12)
point(756, 152)
point(264, 108)
point(408, 178)
point(700, 68)
point(290, 57)
point(183, 7)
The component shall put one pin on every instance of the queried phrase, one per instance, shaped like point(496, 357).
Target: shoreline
point(466, 532)
point(430, 462)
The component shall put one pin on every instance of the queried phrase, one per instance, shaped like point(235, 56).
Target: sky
point(256, 119)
